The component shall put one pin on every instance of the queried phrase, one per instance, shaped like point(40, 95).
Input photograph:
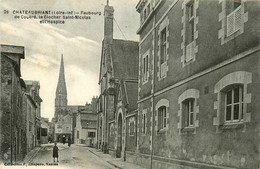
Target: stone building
point(63, 127)
point(61, 100)
point(45, 136)
point(65, 115)
point(12, 118)
point(86, 124)
point(29, 106)
point(198, 90)
point(122, 126)
point(51, 130)
point(34, 113)
point(119, 60)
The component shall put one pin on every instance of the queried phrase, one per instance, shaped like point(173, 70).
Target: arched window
point(189, 108)
point(188, 112)
point(162, 115)
point(232, 99)
point(233, 104)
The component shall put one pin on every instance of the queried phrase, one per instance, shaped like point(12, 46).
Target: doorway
point(119, 136)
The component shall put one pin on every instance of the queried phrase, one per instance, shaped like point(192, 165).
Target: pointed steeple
point(61, 90)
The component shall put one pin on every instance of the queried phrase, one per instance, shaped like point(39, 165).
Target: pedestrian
point(63, 139)
point(55, 152)
point(69, 142)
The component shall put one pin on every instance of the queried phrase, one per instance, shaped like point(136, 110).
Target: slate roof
point(125, 59)
point(129, 93)
point(88, 116)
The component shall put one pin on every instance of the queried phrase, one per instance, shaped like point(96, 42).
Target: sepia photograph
point(130, 84)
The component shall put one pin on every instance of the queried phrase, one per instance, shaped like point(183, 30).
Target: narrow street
point(70, 157)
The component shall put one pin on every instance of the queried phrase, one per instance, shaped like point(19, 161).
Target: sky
point(78, 40)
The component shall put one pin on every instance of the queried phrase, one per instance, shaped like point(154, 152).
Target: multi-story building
point(86, 124)
point(51, 132)
point(12, 118)
point(29, 106)
point(122, 127)
point(119, 59)
point(33, 93)
point(198, 90)
point(45, 136)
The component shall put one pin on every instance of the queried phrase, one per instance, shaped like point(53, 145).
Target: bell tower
point(61, 92)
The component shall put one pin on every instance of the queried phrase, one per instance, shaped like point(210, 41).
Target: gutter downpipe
point(11, 117)
point(153, 87)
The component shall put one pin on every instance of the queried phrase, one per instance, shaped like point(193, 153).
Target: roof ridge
point(127, 40)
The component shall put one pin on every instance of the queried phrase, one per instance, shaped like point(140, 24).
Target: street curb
point(34, 155)
point(106, 160)
point(114, 165)
point(93, 153)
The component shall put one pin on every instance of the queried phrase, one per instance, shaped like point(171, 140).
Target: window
point(234, 104)
point(111, 129)
point(162, 117)
point(188, 108)
point(190, 32)
point(132, 128)
point(236, 4)
point(145, 14)
point(91, 134)
point(232, 101)
point(38, 133)
point(234, 19)
point(163, 46)
point(163, 53)
point(43, 131)
point(145, 68)
point(77, 134)
point(144, 123)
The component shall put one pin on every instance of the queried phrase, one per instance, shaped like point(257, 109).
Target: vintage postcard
point(130, 84)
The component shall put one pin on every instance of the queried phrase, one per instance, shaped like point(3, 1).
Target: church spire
point(61, 90)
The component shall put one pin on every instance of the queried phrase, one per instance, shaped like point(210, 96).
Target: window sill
point(162, 131)
point(188, 129)
point(232, 125)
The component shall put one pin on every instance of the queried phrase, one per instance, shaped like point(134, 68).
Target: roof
point(13, 49)
point(129, 93)
point(125, 56)
point(88, 116)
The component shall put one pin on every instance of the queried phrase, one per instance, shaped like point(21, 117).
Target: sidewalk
point(116, 162)
point(28, 158)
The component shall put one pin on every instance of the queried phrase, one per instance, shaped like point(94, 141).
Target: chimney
point(108, 24)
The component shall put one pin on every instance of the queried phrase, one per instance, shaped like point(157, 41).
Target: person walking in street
point(55, 152)
point(69, 142)
point(63, 139)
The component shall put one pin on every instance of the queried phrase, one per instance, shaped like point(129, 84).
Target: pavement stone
point(31, 155)
point(116, 162)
